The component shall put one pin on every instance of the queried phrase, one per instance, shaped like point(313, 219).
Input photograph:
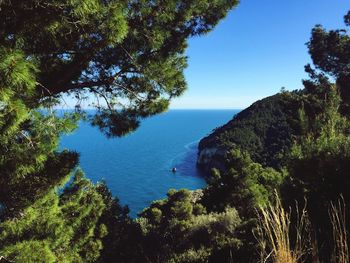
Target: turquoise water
point(137, 168)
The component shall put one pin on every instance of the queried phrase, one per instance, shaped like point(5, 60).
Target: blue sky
point(257, 49)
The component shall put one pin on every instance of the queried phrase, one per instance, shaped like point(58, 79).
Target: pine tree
point(129, 54)
point(319, 169)
point(330, 53)
point(57, 227)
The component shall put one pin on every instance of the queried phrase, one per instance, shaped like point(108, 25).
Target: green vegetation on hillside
point(289, 152)
point(266, 129)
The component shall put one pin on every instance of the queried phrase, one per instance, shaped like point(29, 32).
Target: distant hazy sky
point(258, 48)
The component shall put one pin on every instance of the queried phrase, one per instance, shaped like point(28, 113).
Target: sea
point(138, 167)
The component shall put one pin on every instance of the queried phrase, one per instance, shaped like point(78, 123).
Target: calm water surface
point(137, 168)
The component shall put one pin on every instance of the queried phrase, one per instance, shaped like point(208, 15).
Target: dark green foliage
point(217, 225)
point(245, 185)
point(307, 132)
point(29, 165)
point(213, 225)
point(82, 207)
point(122, 242)
point(330, 53)
point(265, 130)
point(319, 165)
point(262, 130)
point(301, 134)
point(178, 229)
point(18, 194)
point(319, 170)
point(56, 228)
point(129, 55)
point(36, 223)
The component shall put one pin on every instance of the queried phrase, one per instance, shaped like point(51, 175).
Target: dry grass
point(274, 234)
point(275, 239)
point(337, 216)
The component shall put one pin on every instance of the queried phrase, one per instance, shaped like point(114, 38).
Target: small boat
point(174, 170)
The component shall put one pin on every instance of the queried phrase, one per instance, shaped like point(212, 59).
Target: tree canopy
point(129, 55)
point(330, 53)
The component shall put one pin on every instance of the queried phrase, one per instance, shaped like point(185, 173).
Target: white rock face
point(206, 155)
point(212, 157)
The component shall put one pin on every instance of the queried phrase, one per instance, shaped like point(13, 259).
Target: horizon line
point(166, 110)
